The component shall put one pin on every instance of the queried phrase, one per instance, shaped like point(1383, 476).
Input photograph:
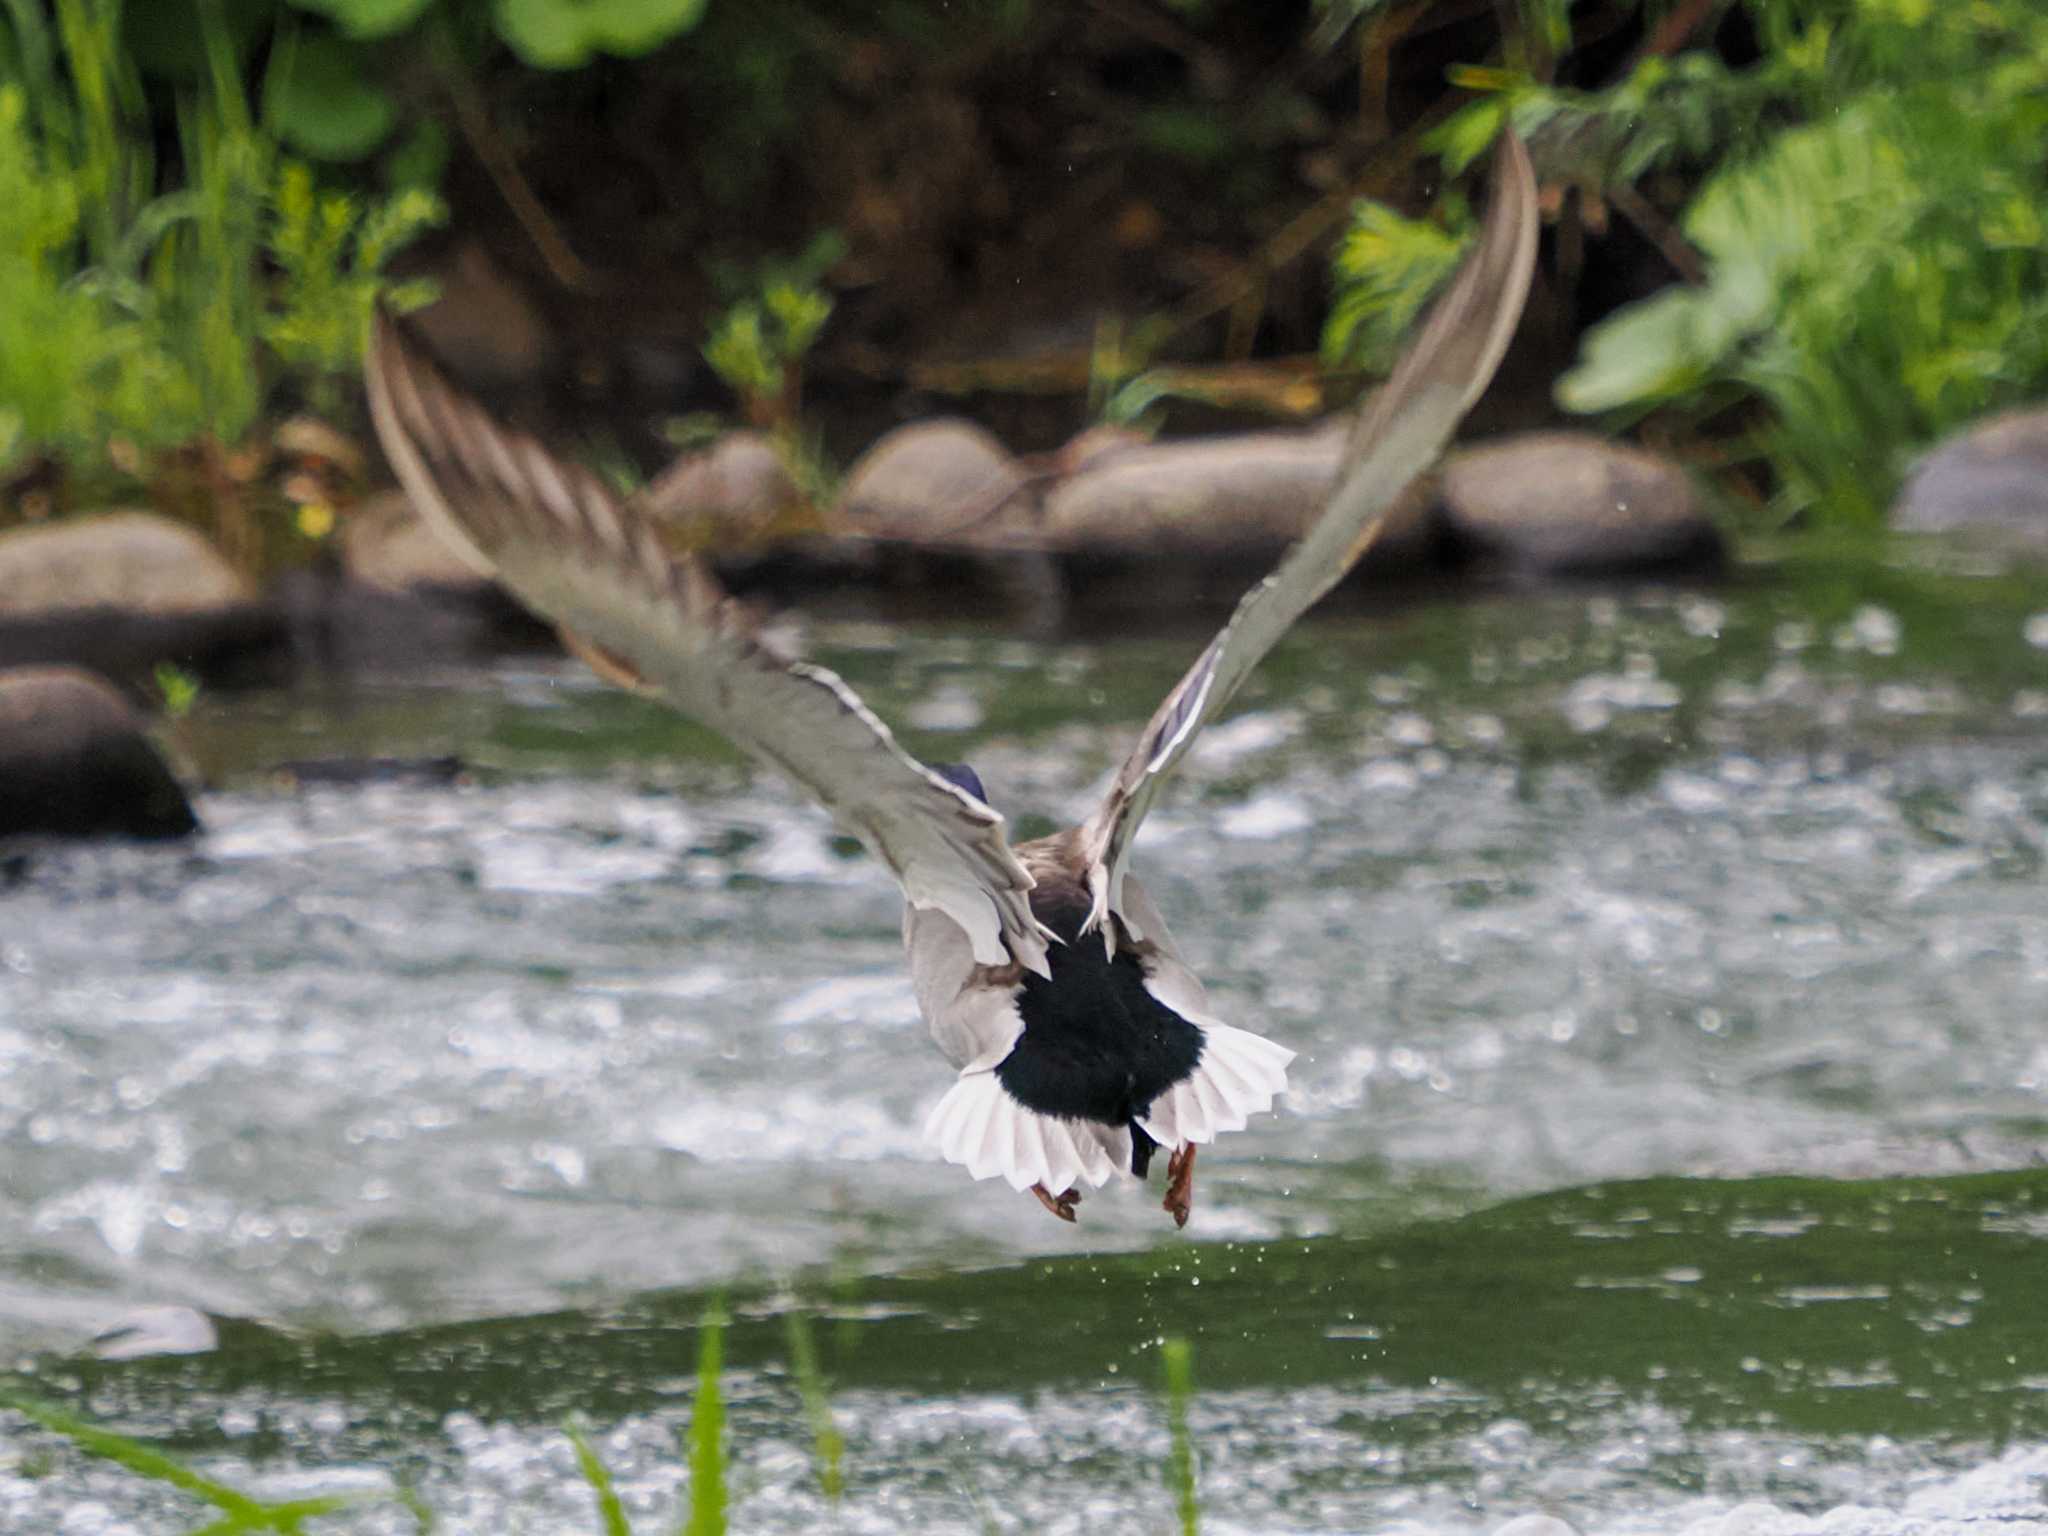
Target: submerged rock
point(1570, 503)
point(1991, 479)
point(75, 762)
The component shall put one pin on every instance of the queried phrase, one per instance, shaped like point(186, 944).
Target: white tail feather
point(978, 1125)
point(1238, 1076)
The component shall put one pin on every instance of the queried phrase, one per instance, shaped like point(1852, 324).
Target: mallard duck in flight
point(1083, 1040)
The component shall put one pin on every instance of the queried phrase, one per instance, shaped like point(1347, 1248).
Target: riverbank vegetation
point(1790, 244)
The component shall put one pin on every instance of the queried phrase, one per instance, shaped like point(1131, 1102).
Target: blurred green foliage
point(1876, 272)
point(1859, 183)
point(148, 309)
point(1386, 267)
point(772, 319)
point(1177, 1362)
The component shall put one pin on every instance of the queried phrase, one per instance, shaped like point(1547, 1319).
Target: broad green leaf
point(1654, 350)
point(1387, 267)
point(328, 104)
point(1465, 135)
point(564, 34)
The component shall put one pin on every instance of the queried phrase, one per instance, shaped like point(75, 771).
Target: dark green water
point(1668, 969)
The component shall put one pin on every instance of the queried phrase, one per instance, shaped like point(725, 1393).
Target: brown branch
point(1676, 29)
point(498, 162)
point(1658, 230)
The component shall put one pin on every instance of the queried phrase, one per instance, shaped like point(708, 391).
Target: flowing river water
point(1666, 1150)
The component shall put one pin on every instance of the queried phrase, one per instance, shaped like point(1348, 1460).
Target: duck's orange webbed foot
point(1061, 1205)
point(1180, 1184)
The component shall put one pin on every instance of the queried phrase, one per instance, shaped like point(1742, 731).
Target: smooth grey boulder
point(934, 482)
point(75, 761)
point(1570, 503)
point(1990, 480)
point(119, 592)
point(136, 561)
point(1249, 494)
point(736, 493)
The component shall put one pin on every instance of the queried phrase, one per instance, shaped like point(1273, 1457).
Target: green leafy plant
point(145, 334)
point(330, 252)
point(758, 342)
point(73, 366)
point(178, 689)
point(1386, 268)
point(1865, 295)
point(1875, 271)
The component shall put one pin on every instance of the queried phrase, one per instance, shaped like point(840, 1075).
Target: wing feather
point(1398, 435)
point(596, 565)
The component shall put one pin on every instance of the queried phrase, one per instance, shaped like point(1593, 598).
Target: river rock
point(1570, 503)
point(135, 561)
point(735, 494)
point(74, 761)
point(934, 482)
point(119, 592)
point(1991, 479)
point(1246, 496)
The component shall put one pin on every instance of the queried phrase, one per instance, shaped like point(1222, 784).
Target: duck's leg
point(1180, 1183)
point(1061, 1205)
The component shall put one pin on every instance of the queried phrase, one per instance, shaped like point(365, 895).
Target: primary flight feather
point(1083, 1040)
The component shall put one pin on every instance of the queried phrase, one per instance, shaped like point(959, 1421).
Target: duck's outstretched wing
point(645, 615)
point(1398, 435)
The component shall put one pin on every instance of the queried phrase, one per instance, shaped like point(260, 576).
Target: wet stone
point(1247, 495)
point(118, 592)
point(940, 482)
point(136, 561)
point(1990, 481)
point(737, 492)
point(74, 761)
point(1569, 503)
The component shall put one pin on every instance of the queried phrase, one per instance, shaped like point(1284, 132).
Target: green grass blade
point(240, 1512)
point(140, 1459)
point(1178, 1357)
point(609, 1509)
point(707, 1434)
point(828, 1446)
